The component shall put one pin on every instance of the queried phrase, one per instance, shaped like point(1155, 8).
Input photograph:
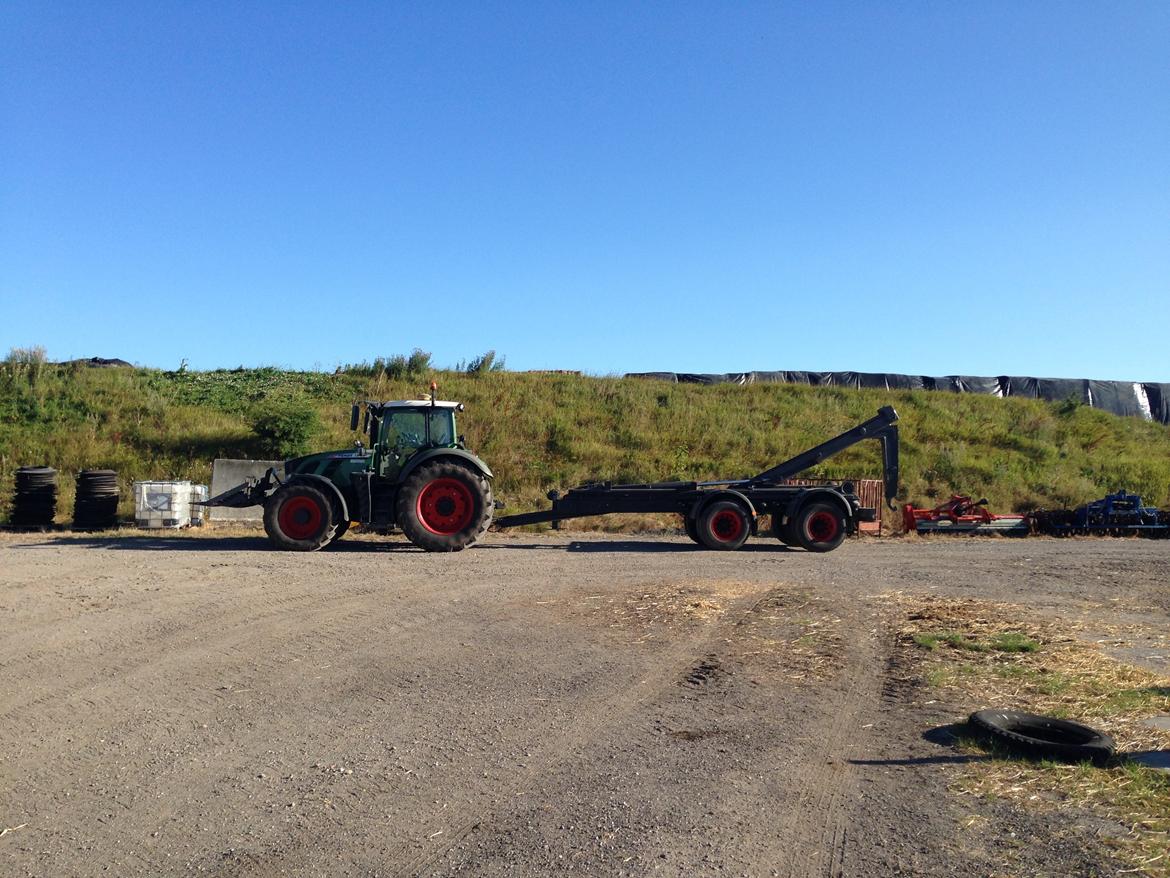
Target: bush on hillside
point(396, 367)
point(285, 426)
point(486, 362)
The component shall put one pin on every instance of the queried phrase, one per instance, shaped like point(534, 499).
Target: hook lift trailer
point(722, 514)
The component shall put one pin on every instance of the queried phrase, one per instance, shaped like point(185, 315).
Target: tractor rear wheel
point(444, 507)
point(341, 530)
point(299, 518)
point(724, 525)
point(820, 527)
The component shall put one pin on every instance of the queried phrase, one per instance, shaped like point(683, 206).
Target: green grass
point(1009, 641)
point(542, 431)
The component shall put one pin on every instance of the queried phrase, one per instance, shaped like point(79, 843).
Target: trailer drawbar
point(722, 514)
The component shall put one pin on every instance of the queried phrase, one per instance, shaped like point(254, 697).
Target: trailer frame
point(721, 514)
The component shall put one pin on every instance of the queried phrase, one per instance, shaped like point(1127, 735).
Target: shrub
point(285, 426)
point(486, 362)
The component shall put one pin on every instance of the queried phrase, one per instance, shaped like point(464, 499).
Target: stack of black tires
point(34, 505)
point(96, 505)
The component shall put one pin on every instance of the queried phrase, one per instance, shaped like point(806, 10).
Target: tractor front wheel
point(299, 518)
point(444, 507)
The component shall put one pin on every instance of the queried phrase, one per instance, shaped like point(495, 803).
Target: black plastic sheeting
point(1133, 399)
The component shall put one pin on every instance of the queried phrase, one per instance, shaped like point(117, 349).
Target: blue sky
point(931, 188)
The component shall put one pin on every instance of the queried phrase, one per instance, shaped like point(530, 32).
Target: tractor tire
point(444, 507)
point(299, 518)
point(819, 527)
point(723, 525)
point(342, 527)
point(692, 529)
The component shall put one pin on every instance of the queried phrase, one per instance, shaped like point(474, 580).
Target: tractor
point(416, 476)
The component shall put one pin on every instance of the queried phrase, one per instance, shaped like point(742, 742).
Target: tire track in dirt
point(814, 835)
point(663, 671)
point(688, 663)
point(155, 737)
point(693, 674)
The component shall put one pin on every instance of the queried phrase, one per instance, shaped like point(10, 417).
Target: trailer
point(723, 514)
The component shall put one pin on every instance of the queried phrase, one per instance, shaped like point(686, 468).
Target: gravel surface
point(577, 704)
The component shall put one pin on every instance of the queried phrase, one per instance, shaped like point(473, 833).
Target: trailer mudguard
point(822, 494)
point(715, 496)
point(430, 454)
point(330, 489)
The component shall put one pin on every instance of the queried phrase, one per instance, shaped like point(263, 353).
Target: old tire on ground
point(723, 525)
point(1045, 736)
point(299, 518)
point(444, 507)
point(819, 527)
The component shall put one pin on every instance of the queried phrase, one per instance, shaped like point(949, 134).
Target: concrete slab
point(227, 473)
point(1158, 722)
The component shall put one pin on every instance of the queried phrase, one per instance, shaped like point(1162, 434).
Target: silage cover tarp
point(1128, 398)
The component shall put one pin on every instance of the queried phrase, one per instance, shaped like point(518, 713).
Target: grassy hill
point(542, 431)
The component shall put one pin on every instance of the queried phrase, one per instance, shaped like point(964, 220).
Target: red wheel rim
point(445, 506)
point(822, 527)
point(300, 518)
point(727, 525)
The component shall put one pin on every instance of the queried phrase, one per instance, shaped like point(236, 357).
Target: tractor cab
point(398, 429)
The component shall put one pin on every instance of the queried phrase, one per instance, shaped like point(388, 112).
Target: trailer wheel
point(782, 531)
point(723, 525)
point(444, 507)
point(820, 527)
point(299, 518)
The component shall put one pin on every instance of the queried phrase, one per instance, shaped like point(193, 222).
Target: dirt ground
point(578, 704)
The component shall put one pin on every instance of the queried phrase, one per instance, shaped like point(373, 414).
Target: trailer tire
point(723, 525)
point(692, 529)
point(782, 531)
point(299, 518)
point(444, 506)
point(820, 527)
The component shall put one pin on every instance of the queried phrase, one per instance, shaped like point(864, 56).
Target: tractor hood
point(324, 460)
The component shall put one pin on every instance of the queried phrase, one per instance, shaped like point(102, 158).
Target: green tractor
point(416, 476)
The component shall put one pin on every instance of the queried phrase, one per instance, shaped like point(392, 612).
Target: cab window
point(442, 432)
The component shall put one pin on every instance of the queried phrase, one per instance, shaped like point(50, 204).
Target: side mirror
point(353, 417)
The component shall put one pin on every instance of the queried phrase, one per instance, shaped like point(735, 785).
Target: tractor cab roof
point(414, 403)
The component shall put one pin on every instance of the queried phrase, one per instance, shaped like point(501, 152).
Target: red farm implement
point(961, 515)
